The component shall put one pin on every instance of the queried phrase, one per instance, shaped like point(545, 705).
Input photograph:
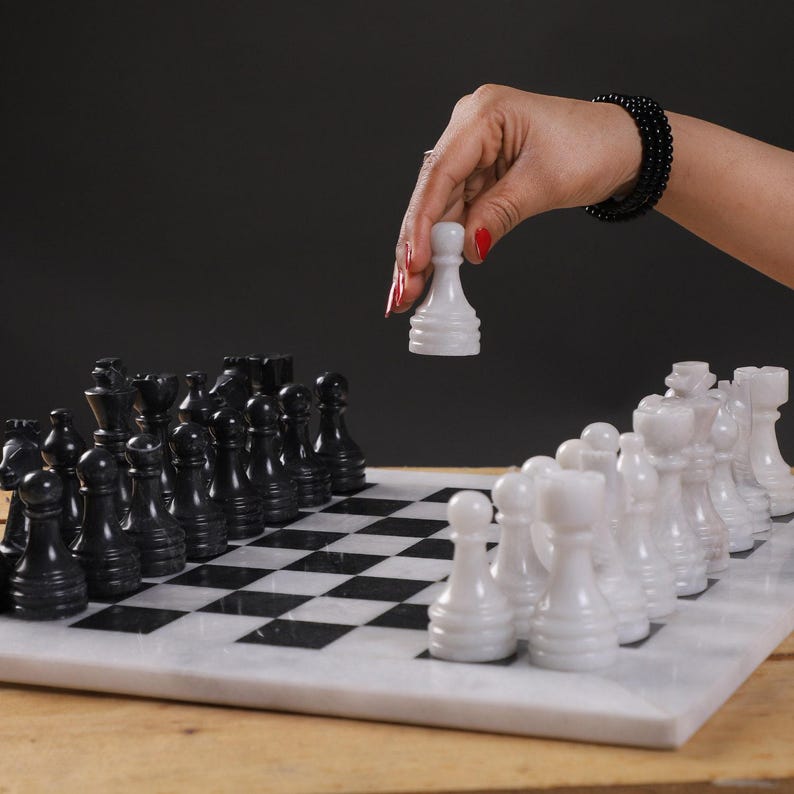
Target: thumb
point(498, 211)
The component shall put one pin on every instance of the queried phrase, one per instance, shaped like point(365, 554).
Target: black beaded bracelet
point(657, 158)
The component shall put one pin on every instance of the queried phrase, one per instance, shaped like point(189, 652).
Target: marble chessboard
point(328, 615)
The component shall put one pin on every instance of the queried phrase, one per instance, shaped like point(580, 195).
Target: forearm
point(735, 192)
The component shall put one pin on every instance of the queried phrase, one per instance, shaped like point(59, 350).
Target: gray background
point(182, 181)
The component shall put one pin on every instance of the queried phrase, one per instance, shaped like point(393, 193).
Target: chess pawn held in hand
point(572, 627)
point(445, 324)
point(472, 620)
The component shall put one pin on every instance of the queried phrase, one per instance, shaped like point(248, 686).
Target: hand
point(507, 155)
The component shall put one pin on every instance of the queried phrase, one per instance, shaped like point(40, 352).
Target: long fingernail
point(482, 242)
point(409, 255)
point(390, 300)
point(400, 288)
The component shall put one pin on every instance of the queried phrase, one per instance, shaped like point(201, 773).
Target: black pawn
point(21, 455)
point(300, 460)
point(61, 450)
point(203, 521)
point(154, 531)
point(111, 401)
point(156, 395)
point(336, 448)
point(265, 471)
point(48, 582)
point(198, 407)
point(230, 488)
point(109, 558)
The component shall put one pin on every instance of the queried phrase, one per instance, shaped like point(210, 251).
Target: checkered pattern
point(356, 575)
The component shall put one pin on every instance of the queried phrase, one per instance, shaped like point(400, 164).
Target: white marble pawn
point(535, 467)
point(622, 590)
point(755, 496)
point(445, 324)
point(569, 453)
point(768, 391)
point(572, 627)
point(472, 620)
point(603, 436)
point(726, 499)
point(667, 429)
point(641, 555)
point(689, 383)
point(517, 569)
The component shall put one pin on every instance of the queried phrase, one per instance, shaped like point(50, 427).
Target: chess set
point(397, 597)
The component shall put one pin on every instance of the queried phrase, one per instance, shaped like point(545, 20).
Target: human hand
point(505, 156)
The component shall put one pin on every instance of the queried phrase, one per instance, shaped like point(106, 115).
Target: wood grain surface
point(59, 741)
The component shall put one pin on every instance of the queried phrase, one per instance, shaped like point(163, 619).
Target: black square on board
point(695, 596)
point(377, 588)
point(404, 616)
point(404, 527)
point(434, 548)
point(743, 555)
point(115, 599)
point(367, 507)
point(256, 604)
point(298, 539)
point(639, 643)
point(228, 577)
point(445, 494)
point(135, 620)
point(335, 562)
point(297, 634)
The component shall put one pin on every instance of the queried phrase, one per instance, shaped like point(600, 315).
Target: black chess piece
point(266, 472)
point(111, 401)
point(61, 450)
point(231, 389)
point(154, 531)
point(198, 407)
point(300, 461)
point(156, 395)
point(336, 448)
point(203, 521)
point(268, 372)
point(47, 582)
point(109, 558)
point(5, 574)
point(21, 455)
point(230, 488)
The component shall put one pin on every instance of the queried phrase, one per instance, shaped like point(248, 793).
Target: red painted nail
point(482, 242)
point(409, 255)
point(390, 300)
point(400, 288)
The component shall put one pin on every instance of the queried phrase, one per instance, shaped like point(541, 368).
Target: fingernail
point(409, 254)
point(390, 300)
point(400, 288)
point(482, 242)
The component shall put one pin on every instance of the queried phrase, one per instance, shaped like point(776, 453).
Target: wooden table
point(59, 741)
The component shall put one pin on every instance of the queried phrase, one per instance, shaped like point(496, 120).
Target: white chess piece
point(689, 383)
point(622, 590)
point(726, 499)
point(572, 627)
point(445, 324)
point(569, 453)
point(641, 555)
point(540, 533)
point(517, 569)
point(472, 620)
point(755, 496)
point(603, 436)
point(667, 430)
point(768, 391)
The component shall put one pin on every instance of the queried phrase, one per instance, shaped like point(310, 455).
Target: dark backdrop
point(184, 180)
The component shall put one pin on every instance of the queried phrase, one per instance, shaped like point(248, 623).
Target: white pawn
point(726, 499)
point(768, 391)
point(572, 627)
point(641, 556)
point(533, 468)
point(667, 430)
point(517, 569)
point(603, 436)
point(569, 453)
point(445, 324)
point(472, 620)
point(621, 589)
point(755, 496)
